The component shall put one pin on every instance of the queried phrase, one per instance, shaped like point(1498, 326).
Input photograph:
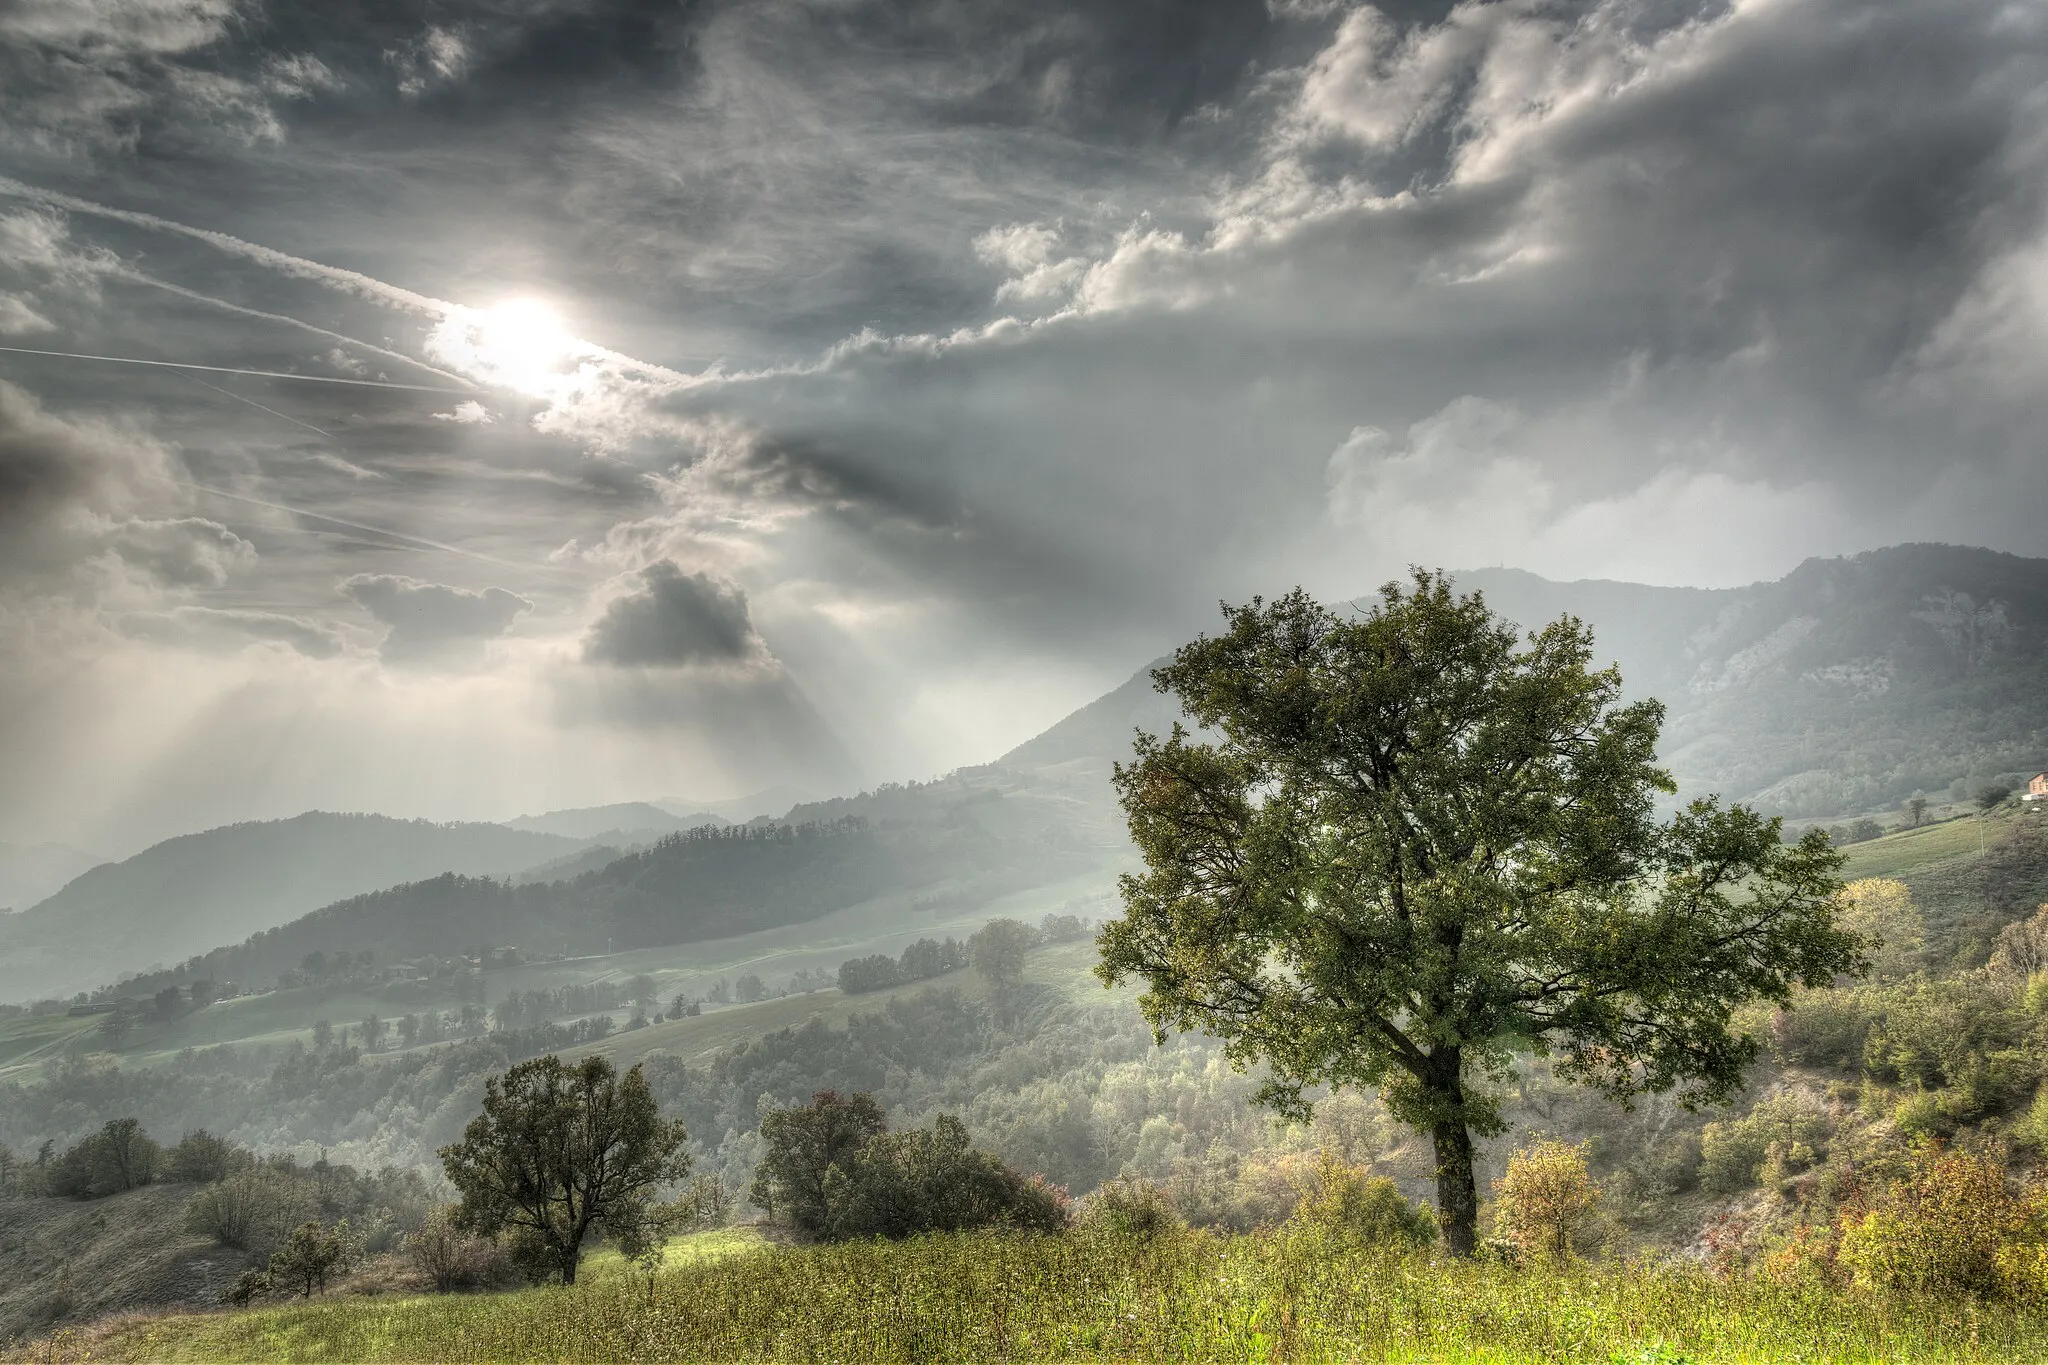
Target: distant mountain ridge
point(192, 893)
point(624, 818)
point(1849, 684)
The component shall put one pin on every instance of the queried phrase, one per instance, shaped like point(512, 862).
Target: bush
point(1825, 1028)
point(1955, 1034)
point(2032, 1128)
point(930, 1180)
point(252, 1210)
point(1927, 1114)
point(200, 1158)
point(450, 1259)
point(1351, 1205)
point(1546, 1204)
point(1781, 1137)
point(1130, 1208)
point(1952, 1225)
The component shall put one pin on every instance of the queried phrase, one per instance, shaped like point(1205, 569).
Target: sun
point(520, 345)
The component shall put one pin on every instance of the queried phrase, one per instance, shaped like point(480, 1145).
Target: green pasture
point(1191, 1297)
point(1895, 855)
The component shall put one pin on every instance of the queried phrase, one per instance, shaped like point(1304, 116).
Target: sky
point(552, 402)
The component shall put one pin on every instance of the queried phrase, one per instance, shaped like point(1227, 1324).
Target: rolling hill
point(189, 894)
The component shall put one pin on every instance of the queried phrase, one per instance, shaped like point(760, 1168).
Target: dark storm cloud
point(672, 620)
point(431, 620)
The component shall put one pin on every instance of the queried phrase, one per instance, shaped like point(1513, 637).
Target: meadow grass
point(1193, 1297)
point(1907, 851)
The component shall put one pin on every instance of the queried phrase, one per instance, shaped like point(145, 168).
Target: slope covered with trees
point(195, 892)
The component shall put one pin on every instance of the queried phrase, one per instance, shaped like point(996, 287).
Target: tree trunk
point(1457, 1189)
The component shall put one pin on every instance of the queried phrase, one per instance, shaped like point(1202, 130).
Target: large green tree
point(1410, 842)
point(561, 1150)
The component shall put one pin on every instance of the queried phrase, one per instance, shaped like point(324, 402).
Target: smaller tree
point(560, 1151)
point(200, 1158)
point(804, 1142)
point(2021, 952)
point(997, 952)
point(307, 1258)
point(1916, 810)
point(748, 988)
point(1991, 796)
point(1880, 910)
point(1546, 1202)
point(323, 1034)
point(373, 1033)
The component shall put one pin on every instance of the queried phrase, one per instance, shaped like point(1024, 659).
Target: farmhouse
point(2037, 788)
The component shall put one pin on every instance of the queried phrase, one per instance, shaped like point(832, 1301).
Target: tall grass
point(985, 1297)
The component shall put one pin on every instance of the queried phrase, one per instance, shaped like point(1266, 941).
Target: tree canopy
point(560, 1150)
point(1411, 842)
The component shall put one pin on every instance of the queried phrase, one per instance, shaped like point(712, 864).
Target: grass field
point(1196, 1297)
point(1895, 855)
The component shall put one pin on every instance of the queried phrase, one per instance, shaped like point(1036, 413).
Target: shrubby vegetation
point(921, 961)
point(833, 1169)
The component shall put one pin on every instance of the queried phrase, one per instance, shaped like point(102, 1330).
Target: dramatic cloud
point(967, 351)
point(431, 621)
point(674, 619)
point(82, 508)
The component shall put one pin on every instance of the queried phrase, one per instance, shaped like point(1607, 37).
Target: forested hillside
point(196, 892)
point(1847, 686)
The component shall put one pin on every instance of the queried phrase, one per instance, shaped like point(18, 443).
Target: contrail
point(254, 374)
point(351, 281)
point(137, 277)
point(281, 416)
point(373, 530)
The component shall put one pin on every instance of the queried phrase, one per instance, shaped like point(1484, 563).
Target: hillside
point(689, 887)
point(1846, 686)
point(67, 1260)
point(192, 893)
